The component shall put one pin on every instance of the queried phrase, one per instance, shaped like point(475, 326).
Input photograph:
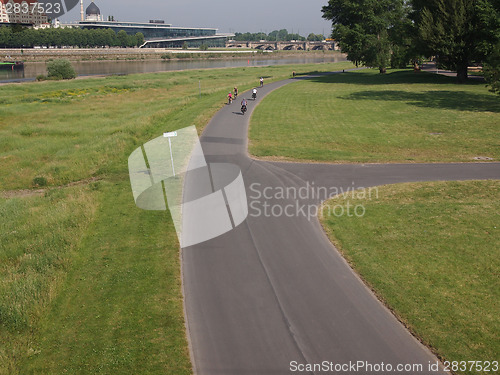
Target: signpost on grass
point(170, 135)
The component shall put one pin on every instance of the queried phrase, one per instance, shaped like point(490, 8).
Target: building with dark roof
point(93, 13)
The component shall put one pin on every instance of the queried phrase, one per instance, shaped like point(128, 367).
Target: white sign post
point(170, 135)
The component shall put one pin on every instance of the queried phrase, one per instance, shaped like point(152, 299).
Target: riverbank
point(172, 61)
point(138, 54)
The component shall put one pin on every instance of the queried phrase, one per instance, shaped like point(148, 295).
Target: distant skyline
point(227, 16)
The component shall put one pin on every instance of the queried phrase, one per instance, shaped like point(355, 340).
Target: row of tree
point(21, 37)
point(276, 35)
point(383, 33)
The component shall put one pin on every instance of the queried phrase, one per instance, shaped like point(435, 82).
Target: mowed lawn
point(89, 283)
point(430, 251)
point(363, 116)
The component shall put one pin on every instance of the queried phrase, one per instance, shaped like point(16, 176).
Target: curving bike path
point(274, 294)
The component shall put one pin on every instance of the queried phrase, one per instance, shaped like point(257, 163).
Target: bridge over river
point(283, 45)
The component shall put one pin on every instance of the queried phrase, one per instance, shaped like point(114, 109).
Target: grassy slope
point(430, 250)
point(367, 117)
point(120, 309)
point(89, 283)
point(38, 238)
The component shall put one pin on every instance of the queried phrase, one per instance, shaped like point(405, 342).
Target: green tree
point(492, 70)
point(67, 37)
point(131, 41)
point(458, 32)
point(315, 37)
point(29, 38)
point(254, 37)
point(56, 36)
point(79, 37)
point(43, 37)
point(402, 35)
point(122, 38)
point(278, 35)
point(99, 37)
point(294, 37)
point(60, 69)
point(5, 36)
point(90, 37)
point(140, 39)
point(363, 28)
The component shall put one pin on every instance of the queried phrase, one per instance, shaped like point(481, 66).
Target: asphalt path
point(274, 294)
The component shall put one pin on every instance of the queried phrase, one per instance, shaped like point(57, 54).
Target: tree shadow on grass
point(370, 77)
point(443, 99)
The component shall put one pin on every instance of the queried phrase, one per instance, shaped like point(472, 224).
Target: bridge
point(284, 45)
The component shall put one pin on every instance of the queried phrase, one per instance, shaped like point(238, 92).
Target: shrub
point(40, 181)
point(60, 69)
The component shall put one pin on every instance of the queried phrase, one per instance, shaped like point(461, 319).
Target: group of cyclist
point(231, 96)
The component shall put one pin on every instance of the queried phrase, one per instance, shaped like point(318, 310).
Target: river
point(90, 68)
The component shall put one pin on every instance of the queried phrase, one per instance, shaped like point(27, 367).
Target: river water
point(89, 68)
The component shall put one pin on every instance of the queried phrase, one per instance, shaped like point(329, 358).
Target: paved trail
point(274, 292)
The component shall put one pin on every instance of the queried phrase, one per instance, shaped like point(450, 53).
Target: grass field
point(91, 284)
point(88, 282)
point(363, 116)
point(430, 251)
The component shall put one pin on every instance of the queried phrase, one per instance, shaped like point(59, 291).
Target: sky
point(228, 16)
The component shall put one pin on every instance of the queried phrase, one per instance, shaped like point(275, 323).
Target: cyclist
point(254, 93)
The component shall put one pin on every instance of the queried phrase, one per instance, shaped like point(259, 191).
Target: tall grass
point(38, 237)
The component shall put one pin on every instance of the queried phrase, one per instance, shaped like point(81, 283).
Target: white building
point(22, 11)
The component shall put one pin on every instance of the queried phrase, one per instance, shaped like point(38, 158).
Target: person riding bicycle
point(254, 93)
point(229, 98)
point(243, 106)
point(235, 92)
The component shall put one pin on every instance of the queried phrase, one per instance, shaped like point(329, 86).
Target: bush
point(60, 69)
point(40, 181)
